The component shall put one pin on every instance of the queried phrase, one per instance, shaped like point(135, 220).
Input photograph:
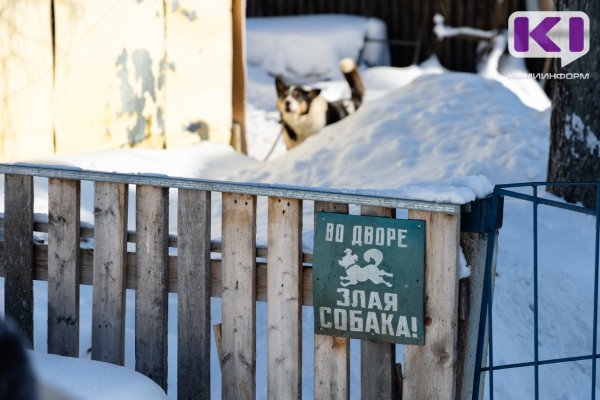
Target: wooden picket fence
point(441, 369)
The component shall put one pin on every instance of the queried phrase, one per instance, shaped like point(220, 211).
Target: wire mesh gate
point(485, 336)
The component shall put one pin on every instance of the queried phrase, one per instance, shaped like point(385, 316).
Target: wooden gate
point(235, 270)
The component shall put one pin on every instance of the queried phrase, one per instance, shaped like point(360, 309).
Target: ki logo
point(564, 35)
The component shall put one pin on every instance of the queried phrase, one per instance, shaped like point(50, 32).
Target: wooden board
point(239, 297)
point(151, 302)
point(332, 354)
point(110, 264)
point(238, 89)
point(18, 234)
point(193, 251)
point(63, 267)
point(198, 71)
point(109, 74)
point(40, 272)
point(378, 360)
point(474, 246)
point(26, 104)
point(429, 370)
point(284, 299)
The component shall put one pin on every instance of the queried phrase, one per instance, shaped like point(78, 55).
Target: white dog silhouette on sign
point(355, 273)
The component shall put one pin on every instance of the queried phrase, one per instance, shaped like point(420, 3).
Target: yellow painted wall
point(25, 79)
point(127, 73)
point(198, 77)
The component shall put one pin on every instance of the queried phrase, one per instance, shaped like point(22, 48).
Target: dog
point(304, 112)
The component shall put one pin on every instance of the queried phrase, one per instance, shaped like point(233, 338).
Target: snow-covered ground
point(426, 133)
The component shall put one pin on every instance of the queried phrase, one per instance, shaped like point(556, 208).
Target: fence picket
point(429, 370)
point(63, 266)
point(18, 233)
point(332, 354)
point(193, 253)
point(152, 226)
point(110, 264)
point(239, 297)
point(378, 360)
point(284, 299)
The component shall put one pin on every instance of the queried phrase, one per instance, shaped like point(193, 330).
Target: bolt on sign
point(368, 275)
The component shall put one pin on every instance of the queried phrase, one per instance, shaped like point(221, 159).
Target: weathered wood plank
point(110, 264)
point(151, 303)
point(63, 267)
point(18, 291)
point(40, 272)
point(193, 251)
point(239, 296)
point(284, 299)
point(430, 370)
point(474, 246)
point(378, 374)
point(332, 354)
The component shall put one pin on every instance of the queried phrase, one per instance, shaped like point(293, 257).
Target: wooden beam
point(284, 299)
point(110, 265)
point(430, 370)
point(40, 272)
point(238, 92)
point(378, 360)
point(239, 297)
point(18, 294)
point(215, 246)
point(63, 267)
point(474, 247)
point(151, 302)
point(193, 342)
point(332, 354)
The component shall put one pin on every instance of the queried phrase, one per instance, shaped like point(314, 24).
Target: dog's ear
point(280, 85)
point(314, 93)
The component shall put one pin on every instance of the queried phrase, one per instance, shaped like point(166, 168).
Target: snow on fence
point(442, 369)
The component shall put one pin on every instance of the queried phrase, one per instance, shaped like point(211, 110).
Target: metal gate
point(485, 344)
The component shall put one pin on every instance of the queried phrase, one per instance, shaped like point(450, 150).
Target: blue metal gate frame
point(485, 321)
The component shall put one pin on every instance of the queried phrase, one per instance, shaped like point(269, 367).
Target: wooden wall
point(81, 75)
point(407, 21)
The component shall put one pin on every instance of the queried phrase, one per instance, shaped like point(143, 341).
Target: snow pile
point(93, 380)
point(425, 134)
point(309, 48)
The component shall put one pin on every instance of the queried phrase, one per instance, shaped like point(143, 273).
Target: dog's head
point(292, 99)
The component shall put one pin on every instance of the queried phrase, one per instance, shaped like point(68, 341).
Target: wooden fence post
point(110, 263)
point(239, 297)
point(332, 354)
point(151, 287)
point(474, 246)
point(284, 299)
point(238, 86)
point(378, 374)
point(430, 370)
point(193, 288)
point(18, 254)
point(63, 267)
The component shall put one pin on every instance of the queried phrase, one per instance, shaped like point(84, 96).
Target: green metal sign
point(368, 275)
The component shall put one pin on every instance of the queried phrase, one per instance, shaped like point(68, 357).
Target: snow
point(93, 380)
point(423, 133)
point(575, 127)
point(309, 48)
point(444, 31)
